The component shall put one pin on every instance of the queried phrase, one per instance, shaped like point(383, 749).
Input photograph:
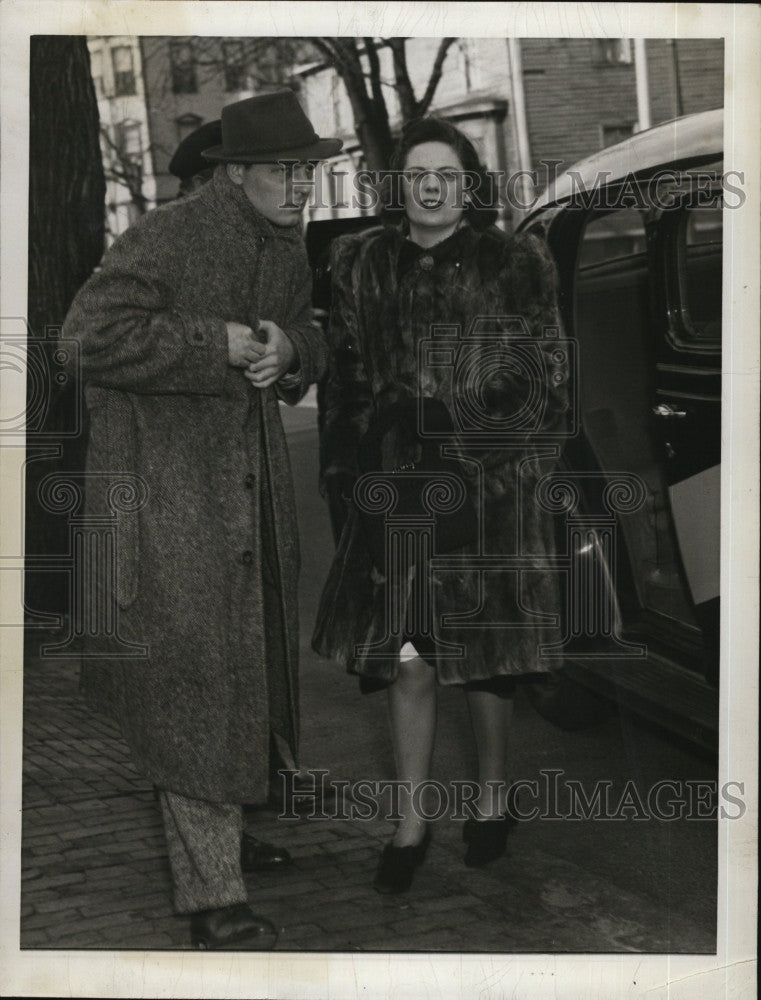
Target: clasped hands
point(262, 363)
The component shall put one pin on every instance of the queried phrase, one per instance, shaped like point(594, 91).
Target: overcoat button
point(250, 481)
point(247, 557)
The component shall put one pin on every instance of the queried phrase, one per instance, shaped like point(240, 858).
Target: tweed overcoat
point(208, 453)
point(496, 616)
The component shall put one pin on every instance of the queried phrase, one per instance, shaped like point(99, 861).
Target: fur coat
point(389, 299)
point(207, 555)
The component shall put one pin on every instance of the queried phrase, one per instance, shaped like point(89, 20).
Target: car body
point(636, 231)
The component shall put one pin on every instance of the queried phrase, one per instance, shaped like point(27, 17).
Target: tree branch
point(403, 83)
point(375, 77)
point(433, 82)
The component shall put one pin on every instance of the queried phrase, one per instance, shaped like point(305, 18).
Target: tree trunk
point(66, 232)
point(373, 132)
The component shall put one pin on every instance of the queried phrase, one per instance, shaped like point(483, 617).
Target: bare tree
point(66, 184)
point(124, 168)
point(358, 64)
point(66, 193)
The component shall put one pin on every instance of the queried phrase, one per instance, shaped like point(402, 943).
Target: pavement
point(95, 873)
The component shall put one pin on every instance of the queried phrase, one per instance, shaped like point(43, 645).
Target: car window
point(703, 225)
point(699, 269)
point(612, 236)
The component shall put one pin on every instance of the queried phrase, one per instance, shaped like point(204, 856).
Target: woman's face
point(433, 188)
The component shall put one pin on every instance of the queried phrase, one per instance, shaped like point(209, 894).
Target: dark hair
point(481, 210)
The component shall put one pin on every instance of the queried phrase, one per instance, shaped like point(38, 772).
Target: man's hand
point(279, 354)
point(242, 347)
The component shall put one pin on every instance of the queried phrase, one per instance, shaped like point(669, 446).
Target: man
point(198, 320)
point(188, 163)
point(193, 171)
point(293, 792)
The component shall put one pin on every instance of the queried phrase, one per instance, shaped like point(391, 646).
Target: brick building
point(581, 94)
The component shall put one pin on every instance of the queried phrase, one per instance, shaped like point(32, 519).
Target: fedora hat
point(187, 160)
point(267, 128)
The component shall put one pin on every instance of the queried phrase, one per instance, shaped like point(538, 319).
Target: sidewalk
point(94, 867)
point(95, 873)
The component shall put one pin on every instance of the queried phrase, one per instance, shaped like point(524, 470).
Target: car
point(636, 233)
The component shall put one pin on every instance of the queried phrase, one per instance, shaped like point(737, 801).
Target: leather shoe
point(397, 865)
point(258, 856)
point(231, 928)
point(487, 838)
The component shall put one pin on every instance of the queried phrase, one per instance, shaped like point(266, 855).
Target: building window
point(611, 134)
point(124, 71)
point(129, 144)
point(235, 65)
point(612, 51)
point(96, 72)
point(129, 140)
point(183, 62)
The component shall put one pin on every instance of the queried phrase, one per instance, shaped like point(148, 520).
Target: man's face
point(277, 191)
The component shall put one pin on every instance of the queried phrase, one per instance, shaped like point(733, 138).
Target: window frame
point(237, 65)
point(594, 214)
point(684, 332)
point(623, 58)
point(125, 82)
point(177, 68)
point(617, 125)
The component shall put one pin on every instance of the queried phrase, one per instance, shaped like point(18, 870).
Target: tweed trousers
point(203, 842)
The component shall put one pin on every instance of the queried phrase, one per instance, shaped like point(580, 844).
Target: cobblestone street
point(94, 866)
point(95, 873)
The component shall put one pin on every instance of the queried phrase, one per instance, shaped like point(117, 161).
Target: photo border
point(337, 975)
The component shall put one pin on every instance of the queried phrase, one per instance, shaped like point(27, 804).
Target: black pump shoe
point(259, 856)
point(231, 928)
point(487, 838)
point(397, 865)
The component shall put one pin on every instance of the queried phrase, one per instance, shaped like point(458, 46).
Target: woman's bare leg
point(412, 713)
point(491, 716)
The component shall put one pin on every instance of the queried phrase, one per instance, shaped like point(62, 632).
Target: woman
point(444, 262)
